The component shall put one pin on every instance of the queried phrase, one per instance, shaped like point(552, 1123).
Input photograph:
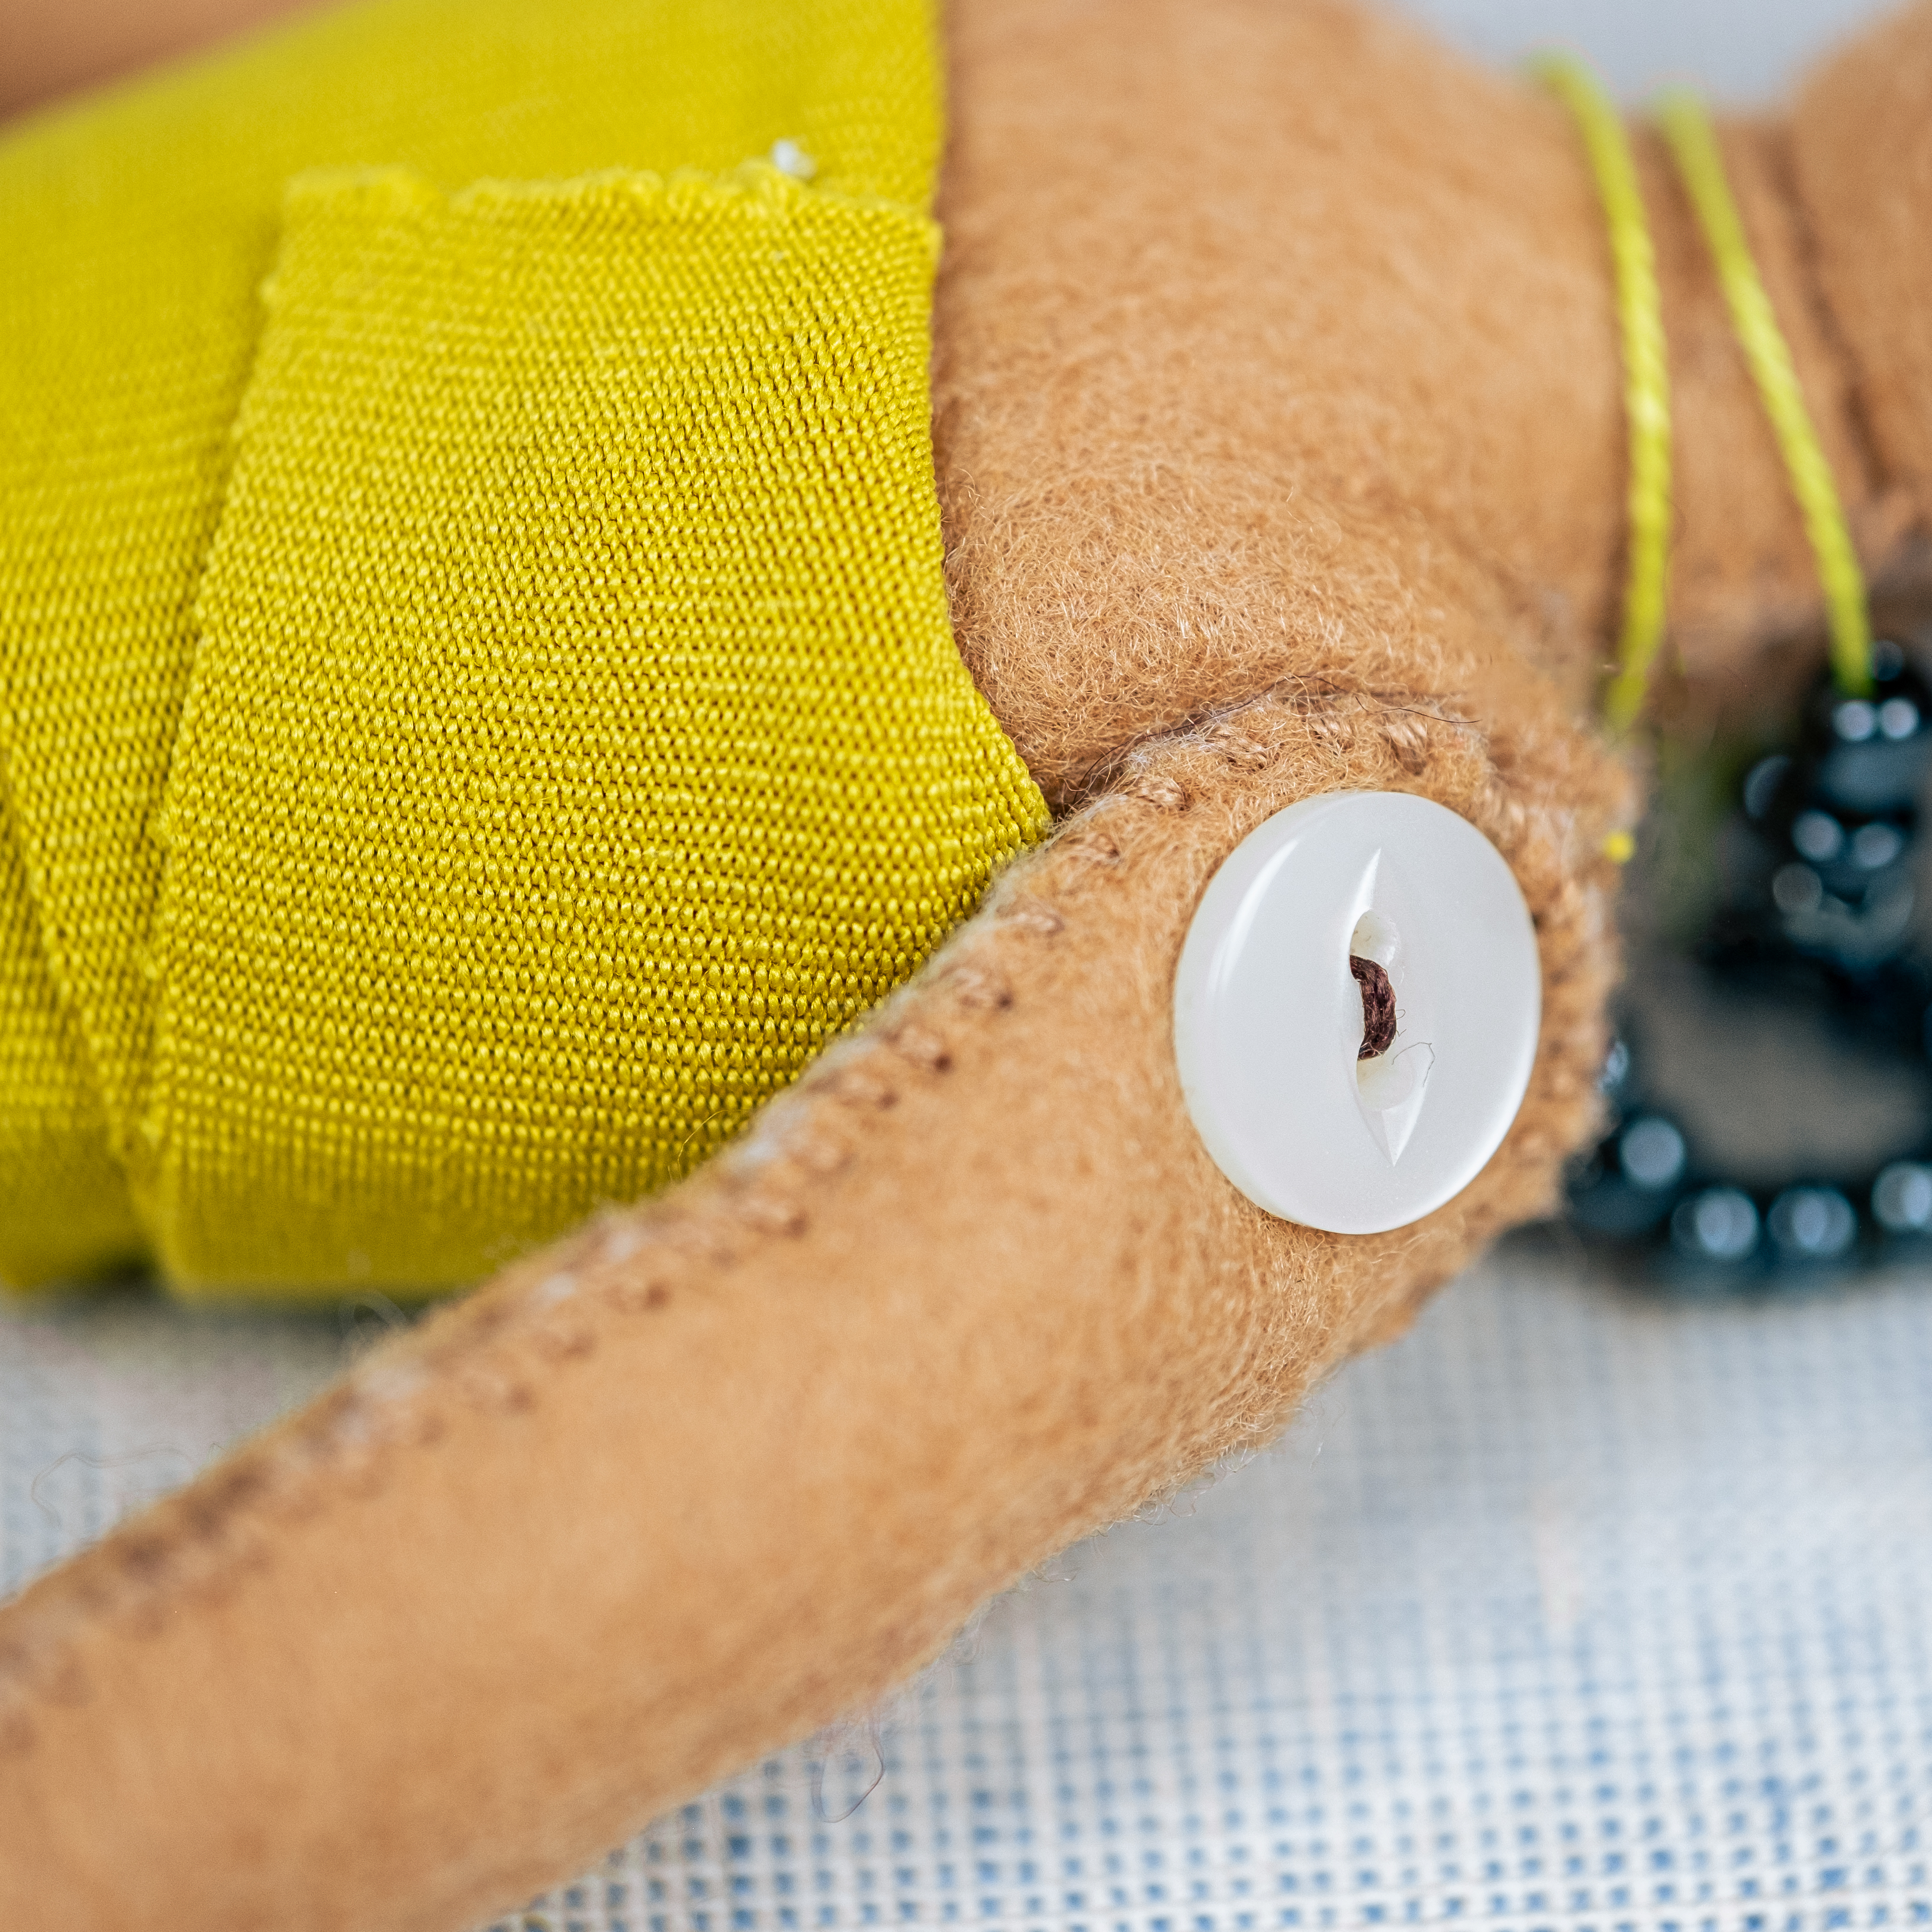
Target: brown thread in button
point(1378, 1006)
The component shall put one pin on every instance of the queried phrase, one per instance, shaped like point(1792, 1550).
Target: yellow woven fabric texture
point(137, 230)
point(577, 739)
point(62, 1194)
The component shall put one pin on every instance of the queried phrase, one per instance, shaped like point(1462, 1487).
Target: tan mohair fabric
point(1281, 452)
point(1309, 299)
point(1744, 604)
point(49, 48)
point(1860, 159)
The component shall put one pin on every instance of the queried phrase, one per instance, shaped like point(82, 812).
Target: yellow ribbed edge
point(1686, 129)
point(1646, 378)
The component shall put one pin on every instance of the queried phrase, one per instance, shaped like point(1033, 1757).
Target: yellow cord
point(1646, 378)
point(1686, 128)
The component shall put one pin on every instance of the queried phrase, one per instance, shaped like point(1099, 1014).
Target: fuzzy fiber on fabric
point(1280, 449)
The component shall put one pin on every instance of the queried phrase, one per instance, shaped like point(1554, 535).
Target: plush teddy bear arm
point(715, 1470)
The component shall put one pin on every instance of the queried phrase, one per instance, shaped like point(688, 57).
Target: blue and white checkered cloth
point(1572, 1609)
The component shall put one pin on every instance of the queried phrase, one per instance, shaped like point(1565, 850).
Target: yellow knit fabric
point(572, 737)
point(63, 1202)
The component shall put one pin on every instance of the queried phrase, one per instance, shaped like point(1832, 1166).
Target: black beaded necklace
point(1814, 918)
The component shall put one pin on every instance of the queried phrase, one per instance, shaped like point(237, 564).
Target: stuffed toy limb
point(1276, 405)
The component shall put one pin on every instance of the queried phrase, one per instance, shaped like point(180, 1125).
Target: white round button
point(1271, 1020)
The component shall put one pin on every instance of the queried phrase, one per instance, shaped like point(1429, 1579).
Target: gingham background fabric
point(1573, 1610)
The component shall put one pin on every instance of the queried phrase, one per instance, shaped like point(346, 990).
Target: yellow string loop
point(1646, 378)
point(1686, 129)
